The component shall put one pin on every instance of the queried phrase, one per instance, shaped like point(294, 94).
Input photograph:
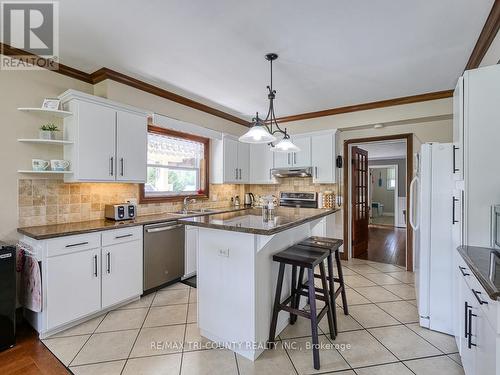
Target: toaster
point(122, 211)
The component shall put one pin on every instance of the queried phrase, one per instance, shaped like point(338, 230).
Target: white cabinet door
point(262, 162)
point(302, 158)
point(73, 285)
point(469, 305)
point(231, 173)
point(131, 146)
point(96, 142)
point(121, 272)
point(458, 130)
point(191, 248)
point(323, 158)
point(282, 159)
point(485, 341)
point(243, 163)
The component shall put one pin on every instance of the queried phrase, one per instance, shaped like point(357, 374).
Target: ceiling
point(385, 150)
point(332, 53)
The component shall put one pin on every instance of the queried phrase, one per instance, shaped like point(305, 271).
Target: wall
point(492, 56)
point(380, 193)
point(401, 163)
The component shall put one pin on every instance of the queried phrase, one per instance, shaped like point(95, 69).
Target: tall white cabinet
point(110, 139)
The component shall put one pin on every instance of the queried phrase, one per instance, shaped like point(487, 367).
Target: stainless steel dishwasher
point(163, 254)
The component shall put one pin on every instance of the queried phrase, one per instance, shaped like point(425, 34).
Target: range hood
point(292, 172)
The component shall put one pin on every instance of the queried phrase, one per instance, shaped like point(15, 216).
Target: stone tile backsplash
point(51, 201)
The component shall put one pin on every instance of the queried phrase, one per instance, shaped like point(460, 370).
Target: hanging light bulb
point(285, 145)
point(258, 133)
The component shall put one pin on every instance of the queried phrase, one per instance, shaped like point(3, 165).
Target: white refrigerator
point(431, 217)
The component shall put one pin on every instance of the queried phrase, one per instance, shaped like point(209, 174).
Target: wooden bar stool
point(332, 246)
point(306, 258)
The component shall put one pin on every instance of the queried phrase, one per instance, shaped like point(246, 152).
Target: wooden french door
point(359, 205)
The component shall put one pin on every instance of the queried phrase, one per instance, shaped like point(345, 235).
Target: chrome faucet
point(187, 201)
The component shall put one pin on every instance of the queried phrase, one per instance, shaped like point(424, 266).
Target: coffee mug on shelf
point(39, 165)
point(59, 165)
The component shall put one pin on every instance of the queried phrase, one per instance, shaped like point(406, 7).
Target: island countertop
point(251, 220)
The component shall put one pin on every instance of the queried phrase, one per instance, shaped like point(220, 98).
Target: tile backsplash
point(51, 201)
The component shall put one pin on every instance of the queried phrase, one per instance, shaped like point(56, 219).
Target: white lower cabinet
point(73, 285)
point(121, 272)
point(191, 248)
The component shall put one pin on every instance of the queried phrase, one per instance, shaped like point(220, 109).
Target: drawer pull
point(123, 236)
point(476, 294)
point(462, 269)
point(78, 244)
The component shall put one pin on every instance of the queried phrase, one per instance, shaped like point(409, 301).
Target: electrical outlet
point(224, 253)
point(132, 200)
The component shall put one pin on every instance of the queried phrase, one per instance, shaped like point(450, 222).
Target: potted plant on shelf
point(48, 131)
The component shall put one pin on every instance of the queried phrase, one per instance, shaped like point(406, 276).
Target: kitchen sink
point(196, 212)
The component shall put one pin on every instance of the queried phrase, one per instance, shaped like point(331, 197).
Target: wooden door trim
point(409, 171)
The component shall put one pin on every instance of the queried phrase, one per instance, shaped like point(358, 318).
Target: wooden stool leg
point(300, 280)
point(341, 281)
point(277, 302)
point(328, 295)
point(314, 317)
point(331, 282)
point(293, 317)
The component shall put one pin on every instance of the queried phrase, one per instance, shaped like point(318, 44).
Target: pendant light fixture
point(263, 131)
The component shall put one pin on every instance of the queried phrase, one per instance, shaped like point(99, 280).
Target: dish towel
point(31, 281)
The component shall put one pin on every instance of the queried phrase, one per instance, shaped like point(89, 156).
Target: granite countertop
point(479, 260)
point(44, 232)
point(251, 221)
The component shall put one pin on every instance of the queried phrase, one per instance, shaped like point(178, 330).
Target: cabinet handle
point(236, 173)
point(316, 171)
point(122, 166)
point(455, 169)
point(294, 158)
point(453, 221)
point(240, 173)
point(124, 236)
point(270, 174)
point(466, 329)
point(108, 261)
point(95, 265)
point(77, 244)
point(462, 269)
point(476, 294)
point(111, 166)
point(469, 339)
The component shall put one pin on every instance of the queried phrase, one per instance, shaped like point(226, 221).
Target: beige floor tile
point(271, 362)
point(370, 316)
point(301, 328)
point(175, 286)
point(401, 310)
point(345, 271)
point(166, 315)
point(85, 328)
point(377, 294)
point(143, 302)
point(363, 269)
point(386, 267)
point(405, 291)
point(104, 368)
point(382, 278)
point(389, 369)
point(118, 320)
point(108, 346)
point(171, 297)
point(194, 341)
point(403, 342)
point(413, 302)
point(353, 298)
point(435, 366)
point(354, 261)
point(456, 358)
point(192, 316)
point(159, 340)
point(404, 276)
point(354, 281)
point(443, 342)
point(209, 362)
point(158, 365)
point(359, 348)
point(344, 323)
point(193, 295)
point(302, 358)
point(66, 348)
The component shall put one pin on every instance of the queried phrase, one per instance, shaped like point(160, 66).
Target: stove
point(294, 199)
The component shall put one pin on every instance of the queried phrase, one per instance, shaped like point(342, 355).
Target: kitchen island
point(236, 276)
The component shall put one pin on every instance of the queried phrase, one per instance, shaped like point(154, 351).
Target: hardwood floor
point(29, 356)
point(386, 245)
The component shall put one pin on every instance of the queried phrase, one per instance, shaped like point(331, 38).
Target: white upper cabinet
point(110, 139)
point(230, 161)
point(131, 146)
point(262, 161)
point(458, 130)
point(282, 160)
point(302, 158)
point(323, 157)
